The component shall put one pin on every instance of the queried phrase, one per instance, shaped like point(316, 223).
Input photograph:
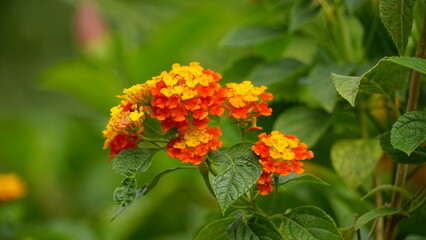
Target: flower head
point(280, 154)
point(247, 102)
point(193, 144)
point(11, 187)
point(184, 93)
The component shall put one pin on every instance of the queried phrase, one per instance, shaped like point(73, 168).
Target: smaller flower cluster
point(247, 102)
point(126, 118)
point(11, 187)
point(192, 145)
point(280, 154)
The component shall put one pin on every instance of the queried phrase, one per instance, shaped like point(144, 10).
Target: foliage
point(340, 74)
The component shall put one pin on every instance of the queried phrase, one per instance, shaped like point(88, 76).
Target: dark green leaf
point(215, 230)
point(389, 75)
point(418, 156)
point(146, 188)
point(302, 12)
point(126, 194)
point(301, 178)
point(257, 227)
point(355, 159)
point(152, 128)
point(249, 36)
point(375, 213)
point(305, 123)
point(240, 68)
point(387, 187)
point(397, 17)
point(353, 5)
point(322, 86)
point(409, 131)
point(242, 172)
point(130, 161)
point(273, 72)
point(309, 223)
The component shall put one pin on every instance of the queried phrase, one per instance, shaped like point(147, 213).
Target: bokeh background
point(62, 62)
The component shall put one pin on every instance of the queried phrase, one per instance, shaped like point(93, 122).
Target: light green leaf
point(322, 86)
point(387, 187)
point(397, 17)
point(409, 131)
point(418, 156)
point(355, 159)
point(305, 123)
point(389, 75)
point(215, 230)
point(242, 172)
point(249, 36)
point(301, 178)
point(347, 86)
point(375, 213)
point(126, 194)
point(257, 227)
point(309, 223)
point(302, 12)
point(130, 161)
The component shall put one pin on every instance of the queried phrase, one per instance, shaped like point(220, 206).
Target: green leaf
point(355, 159)
point(301, 178)
point(130, 161)
point(409, 131)
point(322, 86)
point(126, 194)
point(418, 156)
point(242, 172)
point(276, 71)
point(347, 86)
point(302, 12)
point(305, 123)
point(215, 230)
point(375, 213)
point(249, 36)
point(146, 188)
point(309, 223)
point(256, 228)
point(397, 17)
point(387, 187)
point(389, 75)
point(152, 128)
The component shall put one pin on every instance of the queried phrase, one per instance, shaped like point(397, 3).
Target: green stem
point(418, 206)
point(243, 135)
point(274, 195)
point(203, 168)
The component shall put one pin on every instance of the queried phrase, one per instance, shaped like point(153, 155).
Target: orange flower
point(193, 144)
point(280, 154)
point(187, 92)
point(11, 187)
point(246, 102)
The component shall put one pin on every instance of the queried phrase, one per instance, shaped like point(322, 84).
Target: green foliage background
point(55, 98)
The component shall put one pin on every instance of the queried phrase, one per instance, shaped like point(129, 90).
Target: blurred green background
point(62, 62)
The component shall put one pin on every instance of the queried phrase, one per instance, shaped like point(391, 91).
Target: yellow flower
point(11, 187)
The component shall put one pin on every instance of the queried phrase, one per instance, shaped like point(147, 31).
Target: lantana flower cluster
point(280, 154)
point(183, 100)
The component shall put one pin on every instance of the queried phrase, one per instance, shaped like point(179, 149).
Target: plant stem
point(378, 199)
point(401, 171)
point(274, 195)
